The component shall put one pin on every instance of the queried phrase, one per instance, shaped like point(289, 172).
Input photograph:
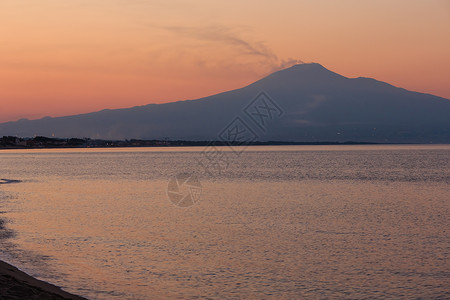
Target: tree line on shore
point(13, 142)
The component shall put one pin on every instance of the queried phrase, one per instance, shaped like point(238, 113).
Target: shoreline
point(15, 284)
point(41, 142)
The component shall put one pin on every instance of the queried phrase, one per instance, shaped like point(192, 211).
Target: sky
point(76, 56)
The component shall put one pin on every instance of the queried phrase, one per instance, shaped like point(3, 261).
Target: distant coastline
point(40, 142)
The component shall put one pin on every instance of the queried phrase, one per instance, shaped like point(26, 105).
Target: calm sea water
point(273, 222)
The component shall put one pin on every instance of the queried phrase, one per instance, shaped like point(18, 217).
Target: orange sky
point(68, 57)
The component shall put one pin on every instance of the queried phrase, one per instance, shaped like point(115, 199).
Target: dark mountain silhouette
point(317, 105)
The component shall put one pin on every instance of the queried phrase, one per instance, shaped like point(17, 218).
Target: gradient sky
point(74, 56)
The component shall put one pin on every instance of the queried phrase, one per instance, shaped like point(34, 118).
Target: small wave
point(7, 181)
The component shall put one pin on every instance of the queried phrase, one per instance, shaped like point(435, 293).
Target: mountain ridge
point(318, 105)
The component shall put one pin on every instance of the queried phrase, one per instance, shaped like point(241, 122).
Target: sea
point(257, 222)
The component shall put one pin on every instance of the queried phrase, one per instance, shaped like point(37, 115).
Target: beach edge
point(16, 284)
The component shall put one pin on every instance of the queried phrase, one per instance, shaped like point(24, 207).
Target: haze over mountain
point(309, 103)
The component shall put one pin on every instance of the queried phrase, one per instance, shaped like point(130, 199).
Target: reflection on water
point(281, 222)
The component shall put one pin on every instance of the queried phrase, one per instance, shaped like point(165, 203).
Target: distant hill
point(305, 103)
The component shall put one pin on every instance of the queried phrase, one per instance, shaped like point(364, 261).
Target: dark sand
point(15, 284)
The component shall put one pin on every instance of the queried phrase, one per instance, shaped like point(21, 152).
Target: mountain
point(304, 103)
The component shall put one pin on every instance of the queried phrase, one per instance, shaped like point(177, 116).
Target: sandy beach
point(15, 284)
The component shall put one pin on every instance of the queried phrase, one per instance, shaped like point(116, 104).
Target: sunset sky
point(73, 56)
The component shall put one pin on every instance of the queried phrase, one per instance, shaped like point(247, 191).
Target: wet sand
point(15, 284)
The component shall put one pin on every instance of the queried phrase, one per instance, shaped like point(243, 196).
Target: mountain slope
point(317, 105)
